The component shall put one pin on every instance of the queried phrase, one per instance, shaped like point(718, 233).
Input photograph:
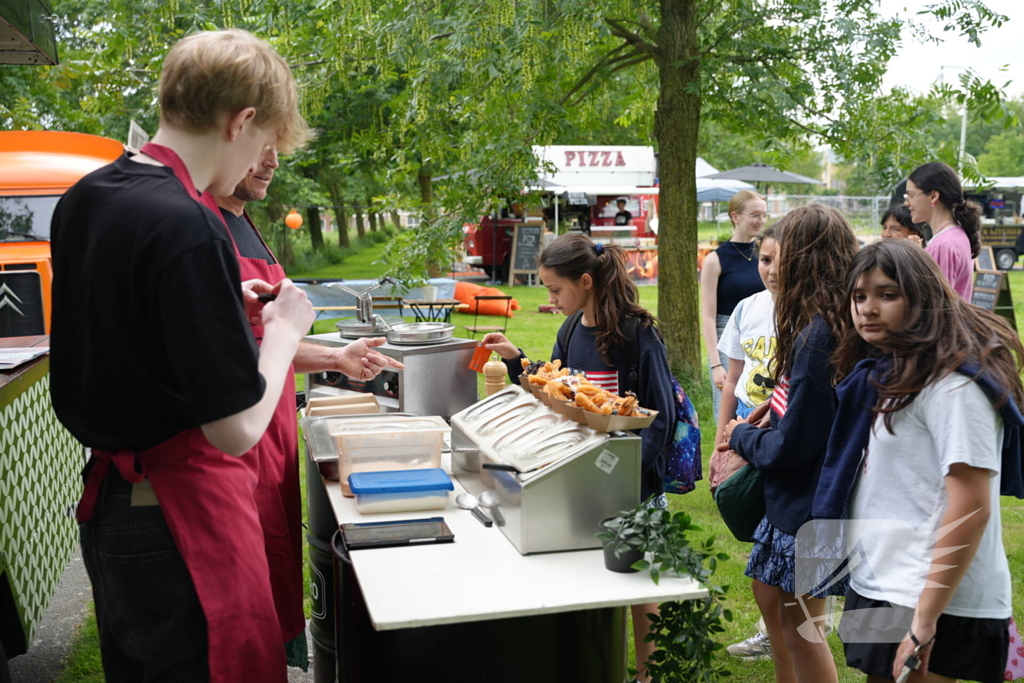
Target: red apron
point(209, 499)
point(277, 492)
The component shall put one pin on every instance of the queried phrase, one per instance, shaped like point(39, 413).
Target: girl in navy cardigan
point(592, 279)
point(816, 246)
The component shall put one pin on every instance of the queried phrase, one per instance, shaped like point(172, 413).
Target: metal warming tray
point(420, 333)
point(558, 478)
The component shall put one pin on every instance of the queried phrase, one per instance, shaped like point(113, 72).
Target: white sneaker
point(755, 648)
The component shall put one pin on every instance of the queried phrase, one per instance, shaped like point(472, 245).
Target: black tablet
point(400, 532)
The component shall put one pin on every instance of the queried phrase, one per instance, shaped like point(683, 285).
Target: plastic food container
point(400, 490)
point(343, 445)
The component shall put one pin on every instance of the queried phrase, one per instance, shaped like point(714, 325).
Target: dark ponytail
point(938, 177)
point(572, 256)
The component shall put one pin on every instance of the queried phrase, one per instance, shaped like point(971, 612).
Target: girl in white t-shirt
point(748, 342)
point(924, 514)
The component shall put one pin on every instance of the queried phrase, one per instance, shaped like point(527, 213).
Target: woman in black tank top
point(728, 276)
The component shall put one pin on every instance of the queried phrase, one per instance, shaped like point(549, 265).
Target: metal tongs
point(364, 302)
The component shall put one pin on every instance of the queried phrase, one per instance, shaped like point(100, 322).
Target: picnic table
point(437, 310)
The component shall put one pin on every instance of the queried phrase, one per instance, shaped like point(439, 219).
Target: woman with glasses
point(729, 275)
point(935, 196)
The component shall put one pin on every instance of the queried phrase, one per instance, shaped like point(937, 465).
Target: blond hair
point(213, 72)
point(739, 202)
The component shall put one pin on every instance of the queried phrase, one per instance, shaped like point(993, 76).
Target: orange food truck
point(583, 193)
point(36, 168)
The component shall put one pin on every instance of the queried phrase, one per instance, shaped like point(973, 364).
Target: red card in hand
point(480, 356)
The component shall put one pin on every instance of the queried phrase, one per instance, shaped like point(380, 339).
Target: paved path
point(68, 607)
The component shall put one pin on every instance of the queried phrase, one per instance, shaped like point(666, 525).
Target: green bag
point(740, 500)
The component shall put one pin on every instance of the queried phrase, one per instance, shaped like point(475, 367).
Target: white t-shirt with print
point(900, 498)
point(749, 336)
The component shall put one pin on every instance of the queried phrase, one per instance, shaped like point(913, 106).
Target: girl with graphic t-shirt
point(935, 196)
point(939, 375)
point(592, 279)
point(815, 248)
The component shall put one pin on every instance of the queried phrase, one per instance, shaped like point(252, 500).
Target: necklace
point(945, 226)
point(740, 251)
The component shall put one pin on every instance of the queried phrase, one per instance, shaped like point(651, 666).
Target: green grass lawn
point(535, 333)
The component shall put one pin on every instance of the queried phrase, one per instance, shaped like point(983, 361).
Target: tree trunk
point(339, 213)
point(676, 125)
point(360, 225)
point(396, 219)
point(426, 183)
point(371, 214)
point(316, 233)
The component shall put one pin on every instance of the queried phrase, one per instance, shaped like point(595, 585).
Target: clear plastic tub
point(400, 491)
point(375, 443)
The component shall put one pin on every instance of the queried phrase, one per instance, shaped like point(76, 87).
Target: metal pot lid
point(420, 333)
point(354, 328)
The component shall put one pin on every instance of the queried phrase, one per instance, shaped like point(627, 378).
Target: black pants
point(152, 628)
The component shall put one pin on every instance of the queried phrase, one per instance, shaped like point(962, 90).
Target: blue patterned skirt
point(773, 562)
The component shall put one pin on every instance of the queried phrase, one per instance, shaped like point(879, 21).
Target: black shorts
point(966, 649)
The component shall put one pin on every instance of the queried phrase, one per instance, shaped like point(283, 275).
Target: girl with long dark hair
point(931, 382)
point(815, 248)
point(589, 283)
point(936, 197)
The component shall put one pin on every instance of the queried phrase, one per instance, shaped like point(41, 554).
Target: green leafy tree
point(1004, 155)
point(486, 80)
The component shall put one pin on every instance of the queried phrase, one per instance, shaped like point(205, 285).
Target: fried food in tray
point(565, 385)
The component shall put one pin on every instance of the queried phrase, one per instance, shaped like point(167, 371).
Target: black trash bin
point(322, 525)
point(586, 645)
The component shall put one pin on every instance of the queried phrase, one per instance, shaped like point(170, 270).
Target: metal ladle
point(490, 501)
point(467, 501)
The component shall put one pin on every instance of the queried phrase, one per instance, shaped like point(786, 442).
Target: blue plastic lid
point(400, 481)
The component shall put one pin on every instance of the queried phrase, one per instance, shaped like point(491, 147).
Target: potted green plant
point(622, 536)
point(683, 632)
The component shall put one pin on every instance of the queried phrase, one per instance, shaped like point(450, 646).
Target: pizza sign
point(594, 158)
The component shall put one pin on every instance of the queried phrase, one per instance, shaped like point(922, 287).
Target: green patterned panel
point(40, 483)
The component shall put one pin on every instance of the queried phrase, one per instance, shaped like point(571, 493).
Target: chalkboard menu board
point(525, 250)
point(986, 259)
point(992, 292)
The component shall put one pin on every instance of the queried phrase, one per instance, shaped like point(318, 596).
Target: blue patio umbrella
point(716, 194)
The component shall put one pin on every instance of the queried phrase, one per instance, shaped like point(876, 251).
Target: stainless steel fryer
point(558, 479)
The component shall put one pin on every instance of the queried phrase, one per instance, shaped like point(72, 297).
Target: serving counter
point(473, 610)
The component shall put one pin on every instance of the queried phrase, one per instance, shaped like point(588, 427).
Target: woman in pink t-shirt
point(935, 196)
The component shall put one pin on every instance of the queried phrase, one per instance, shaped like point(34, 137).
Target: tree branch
point(313, 63)
point(619, 30)
point(593, 72)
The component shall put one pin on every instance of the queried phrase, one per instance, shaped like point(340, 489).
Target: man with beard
point(278, 497)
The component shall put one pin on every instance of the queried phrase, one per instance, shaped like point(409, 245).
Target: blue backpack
point(683, 467)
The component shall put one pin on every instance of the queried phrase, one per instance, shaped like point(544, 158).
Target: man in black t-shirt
point(623, 217)
point(309, 357)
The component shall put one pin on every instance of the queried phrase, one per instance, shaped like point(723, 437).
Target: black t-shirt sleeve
point(197, 304)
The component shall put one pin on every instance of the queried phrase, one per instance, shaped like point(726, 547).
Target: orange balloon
point(293, 220)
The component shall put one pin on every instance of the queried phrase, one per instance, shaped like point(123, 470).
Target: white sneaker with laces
point(755, 648)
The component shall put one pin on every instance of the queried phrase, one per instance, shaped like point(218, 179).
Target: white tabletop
point(482, 576)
